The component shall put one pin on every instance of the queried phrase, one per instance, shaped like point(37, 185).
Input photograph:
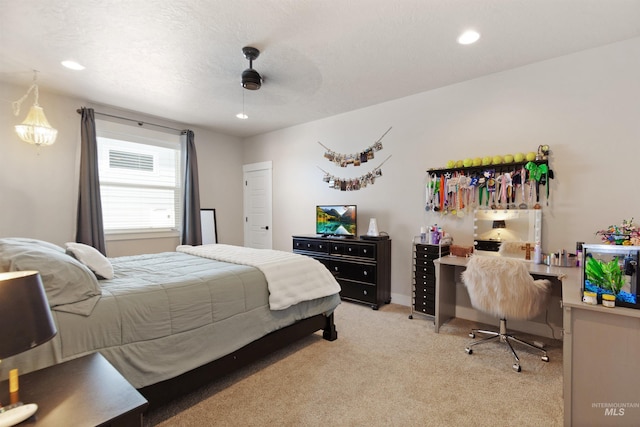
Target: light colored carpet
point(384, 370)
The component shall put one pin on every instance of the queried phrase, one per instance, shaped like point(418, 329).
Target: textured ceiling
point(182, 60)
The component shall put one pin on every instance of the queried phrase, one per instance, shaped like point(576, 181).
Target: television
point(335, 220)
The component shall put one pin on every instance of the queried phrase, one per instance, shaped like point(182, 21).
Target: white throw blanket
point(292, 278)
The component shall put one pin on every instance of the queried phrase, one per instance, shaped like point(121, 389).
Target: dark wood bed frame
point(160, 393)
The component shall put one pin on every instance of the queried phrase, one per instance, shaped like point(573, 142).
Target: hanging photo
point(344, 160)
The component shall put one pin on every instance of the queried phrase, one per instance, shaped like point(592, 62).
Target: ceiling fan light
point(251, 79)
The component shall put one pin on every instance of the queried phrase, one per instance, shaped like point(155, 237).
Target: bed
point(172, 321)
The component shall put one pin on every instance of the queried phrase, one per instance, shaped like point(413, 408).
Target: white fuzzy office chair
point(503, 287)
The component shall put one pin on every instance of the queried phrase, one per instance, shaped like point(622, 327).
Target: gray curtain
point(191, 230)
point(89, 227)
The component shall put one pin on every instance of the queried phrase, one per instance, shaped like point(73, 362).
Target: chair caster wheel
point(545, 358)
point(472, 335)
point(517, 367)
point(468, 350)
point(411, 316)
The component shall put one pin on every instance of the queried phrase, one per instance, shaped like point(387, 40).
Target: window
point(140, 179)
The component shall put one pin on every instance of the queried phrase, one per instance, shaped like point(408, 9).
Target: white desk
point(449, 267)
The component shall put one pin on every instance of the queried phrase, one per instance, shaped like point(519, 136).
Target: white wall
point(586, 106)
point(38, 187)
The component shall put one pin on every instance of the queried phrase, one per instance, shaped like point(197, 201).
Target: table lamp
point(498, 224)
point(26, 322)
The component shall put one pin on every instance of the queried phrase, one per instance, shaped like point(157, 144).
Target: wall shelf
point(503, 167)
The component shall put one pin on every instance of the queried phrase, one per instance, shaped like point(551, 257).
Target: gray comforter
point(165, 314)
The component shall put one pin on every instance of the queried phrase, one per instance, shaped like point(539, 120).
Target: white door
point(257, 205)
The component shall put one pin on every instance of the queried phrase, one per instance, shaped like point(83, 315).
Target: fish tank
point(612, 269)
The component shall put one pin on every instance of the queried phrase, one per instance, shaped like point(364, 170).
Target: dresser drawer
point(426, 269)
point(316, 246)
point(367, 251)
point(425, 278)
point(421, 255)
point(351, 271)
point(358, 291)
point(431, 251)
point(426, 308)
point(425, 263)
point(428, 299)
point(424, 290)
point(353, 249)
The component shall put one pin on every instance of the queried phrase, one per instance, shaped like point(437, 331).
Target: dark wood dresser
point(362, 267)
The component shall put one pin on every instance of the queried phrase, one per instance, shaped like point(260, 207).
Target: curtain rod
point(139, 122)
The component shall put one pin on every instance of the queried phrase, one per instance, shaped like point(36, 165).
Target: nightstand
point(87, 391)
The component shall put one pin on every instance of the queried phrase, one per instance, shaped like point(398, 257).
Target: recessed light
point(73, 65)
point(468, 37)
point(242, 116)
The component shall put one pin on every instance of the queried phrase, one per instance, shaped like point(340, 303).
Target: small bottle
point(423, 235)
point(433, 235)
point(537, 253)
point(579, 253)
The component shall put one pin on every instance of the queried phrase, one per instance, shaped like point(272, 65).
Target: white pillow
point(92, 258)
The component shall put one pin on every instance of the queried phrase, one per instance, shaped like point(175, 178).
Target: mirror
point(492, 227)
point(208, 225)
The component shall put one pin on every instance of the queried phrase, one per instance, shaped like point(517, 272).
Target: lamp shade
point(35, 129)
point(25, 316)
point(499, 224)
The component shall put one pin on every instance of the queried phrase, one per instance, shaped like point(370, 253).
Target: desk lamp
point(26, 322)
point(498, 225)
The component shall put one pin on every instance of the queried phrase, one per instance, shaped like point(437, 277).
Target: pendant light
point(35, 129)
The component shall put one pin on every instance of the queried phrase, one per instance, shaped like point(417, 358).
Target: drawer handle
point(364, 251)
point(335, 268)
point(349, 249)
point(308, 245)
point(364, 272)
point(364, 292)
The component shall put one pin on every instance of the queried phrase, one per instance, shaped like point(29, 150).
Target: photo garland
point(353, 184)
point(356, 159)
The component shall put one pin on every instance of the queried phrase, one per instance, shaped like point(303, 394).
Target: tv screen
point(333, 220)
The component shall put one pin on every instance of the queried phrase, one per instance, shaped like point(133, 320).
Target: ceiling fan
point(251, 79)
